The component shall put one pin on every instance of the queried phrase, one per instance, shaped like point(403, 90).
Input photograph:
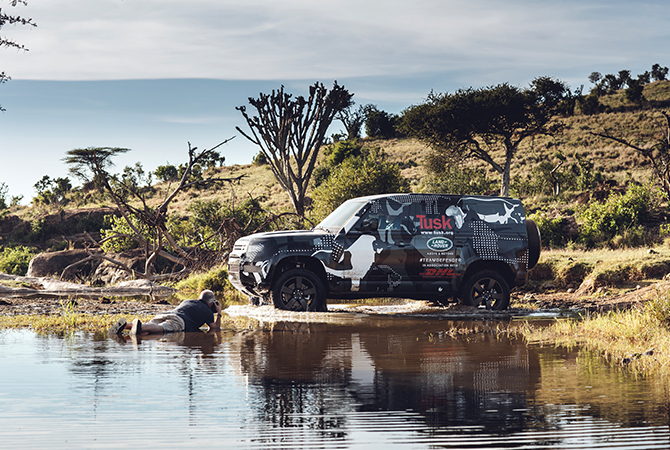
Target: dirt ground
point(601, 301)
point(53, 305)
point(138, 306)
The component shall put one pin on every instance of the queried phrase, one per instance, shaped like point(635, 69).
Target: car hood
point(299, 234)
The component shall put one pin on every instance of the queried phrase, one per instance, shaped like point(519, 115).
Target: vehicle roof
point(416, 194)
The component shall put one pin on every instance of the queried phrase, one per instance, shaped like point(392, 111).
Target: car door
point(378, 248)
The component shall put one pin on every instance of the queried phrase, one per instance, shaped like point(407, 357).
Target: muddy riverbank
point(522, 304)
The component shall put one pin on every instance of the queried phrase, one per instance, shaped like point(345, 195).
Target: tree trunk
point(504, 186)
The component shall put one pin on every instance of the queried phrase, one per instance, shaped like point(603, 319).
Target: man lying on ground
point(189, 316)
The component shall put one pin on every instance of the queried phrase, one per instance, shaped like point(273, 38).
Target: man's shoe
point(137, 327)
point(118, 327)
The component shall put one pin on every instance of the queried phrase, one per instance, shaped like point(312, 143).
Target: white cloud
point(289, 39)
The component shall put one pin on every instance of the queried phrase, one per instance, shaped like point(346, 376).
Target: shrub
point(3, 195)
point(551, 229)
point(260, 159)
point(540, 181)
point(659, 306)
point(356, 177)
point(630, 237)
point(52, 191)
point(215, 280)
point(117, 225)
point(335, 155)
point(459, 180)
point(600, 222)
point(380, 124)
point(213, 225)
point(15, 260)
point(166, 173)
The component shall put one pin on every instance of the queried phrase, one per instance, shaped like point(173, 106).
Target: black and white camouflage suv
point(421, 246)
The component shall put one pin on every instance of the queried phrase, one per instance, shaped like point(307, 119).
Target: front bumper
point(245, 276)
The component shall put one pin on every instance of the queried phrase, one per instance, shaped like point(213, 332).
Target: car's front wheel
point(299, 290)
point(486, 289)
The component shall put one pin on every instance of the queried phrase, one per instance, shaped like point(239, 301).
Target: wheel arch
point(300, 262)
point(498, 266)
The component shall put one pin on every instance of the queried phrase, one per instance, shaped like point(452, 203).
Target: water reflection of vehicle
point(452, 380)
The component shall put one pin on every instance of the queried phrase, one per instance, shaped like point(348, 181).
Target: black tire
point(486, 289)
point(534, 243)
point(299, 290)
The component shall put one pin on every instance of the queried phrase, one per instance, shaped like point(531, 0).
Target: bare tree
point(290, 133)
point(657, 151)
point(6, 19)
point(158, 241)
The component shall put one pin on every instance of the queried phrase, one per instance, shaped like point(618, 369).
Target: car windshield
point(336, 220)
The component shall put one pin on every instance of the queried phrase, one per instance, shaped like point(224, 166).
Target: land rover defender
point(434, 247)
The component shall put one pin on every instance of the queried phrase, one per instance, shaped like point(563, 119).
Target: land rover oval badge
point(440, 244)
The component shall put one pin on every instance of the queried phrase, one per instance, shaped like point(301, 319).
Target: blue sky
point(152, 75)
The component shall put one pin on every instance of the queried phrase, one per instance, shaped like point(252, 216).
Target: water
point(359, 382)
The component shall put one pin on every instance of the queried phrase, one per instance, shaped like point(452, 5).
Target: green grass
point(638, 339)
point(602, 268)
point(69, 321)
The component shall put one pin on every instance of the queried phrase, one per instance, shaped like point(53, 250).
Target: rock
point(587, 287)
point(53, 263)
point(107, 273)
point(55, 288)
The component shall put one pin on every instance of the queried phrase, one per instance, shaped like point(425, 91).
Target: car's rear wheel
point(299, 290)
point(486, 289)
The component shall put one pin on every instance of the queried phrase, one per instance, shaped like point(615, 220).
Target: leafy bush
point(551, 229)
point(335, 154)
point(659, 306)
point(539, 181)
point(356, 177)
point(630, 237)
point(15, 260)
point(215, 280)
point(260, 159)
point(52, 191)
point(380, 124)
point(117, 225)
point(3, 195)
point(600, 222)
point(581, 175)
point(213, 225)
point(166, 173)
point(459, 180)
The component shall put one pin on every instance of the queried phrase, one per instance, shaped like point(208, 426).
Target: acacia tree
point(290, 133)
point(475, 123)
point(94, 162)
point(6, 19)
point(656, 150)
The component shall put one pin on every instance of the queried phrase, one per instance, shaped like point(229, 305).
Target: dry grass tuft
point(638, 339)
